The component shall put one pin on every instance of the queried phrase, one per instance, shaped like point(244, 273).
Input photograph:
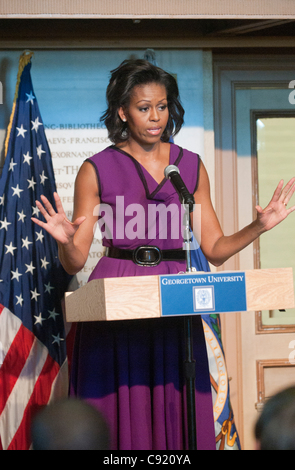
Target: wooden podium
point(134, 298)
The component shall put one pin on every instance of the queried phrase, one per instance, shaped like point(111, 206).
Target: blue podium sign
point(196, 294)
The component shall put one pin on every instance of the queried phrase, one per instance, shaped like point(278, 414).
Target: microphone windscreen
point(169, 169)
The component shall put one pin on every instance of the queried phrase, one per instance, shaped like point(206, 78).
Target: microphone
point(172, 173)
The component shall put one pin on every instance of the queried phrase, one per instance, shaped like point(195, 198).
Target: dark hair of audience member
point(275, 428)
point(70, 424)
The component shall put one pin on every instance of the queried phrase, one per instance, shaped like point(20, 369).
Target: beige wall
point(148, 9)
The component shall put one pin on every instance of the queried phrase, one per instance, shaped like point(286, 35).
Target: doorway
point(250, 92)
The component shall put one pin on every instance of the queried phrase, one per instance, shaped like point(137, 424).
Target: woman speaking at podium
point(133, 370)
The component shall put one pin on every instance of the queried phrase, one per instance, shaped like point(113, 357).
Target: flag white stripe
point(13, 412)
point(60, 386)
point(9, 327)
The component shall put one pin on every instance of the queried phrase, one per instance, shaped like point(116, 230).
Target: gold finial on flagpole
point(24, 60)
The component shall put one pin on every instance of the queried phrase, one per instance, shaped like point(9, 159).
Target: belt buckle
point(142, 253)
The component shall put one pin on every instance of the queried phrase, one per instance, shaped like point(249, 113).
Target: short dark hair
point(123, 79)
point(275, 428)
point(70, 424)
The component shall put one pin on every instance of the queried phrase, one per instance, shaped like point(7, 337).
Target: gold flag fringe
point(24, 60)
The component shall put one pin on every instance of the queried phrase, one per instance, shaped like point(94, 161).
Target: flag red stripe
point(38, 399)
point(1, 308)
point(14, 362)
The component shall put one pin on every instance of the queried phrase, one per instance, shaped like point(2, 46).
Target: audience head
point(275, 428)
point(70, 424)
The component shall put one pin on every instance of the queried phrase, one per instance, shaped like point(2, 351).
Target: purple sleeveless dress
point(133, 370)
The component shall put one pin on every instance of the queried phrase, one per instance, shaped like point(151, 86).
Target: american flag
point(33, 358)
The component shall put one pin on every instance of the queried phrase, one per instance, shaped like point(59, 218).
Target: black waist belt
point(146, 255)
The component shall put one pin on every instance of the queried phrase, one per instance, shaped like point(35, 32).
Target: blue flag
point(32, 281)
point(226, 434)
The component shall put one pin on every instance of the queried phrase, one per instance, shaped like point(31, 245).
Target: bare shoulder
point(87, 179)
point(204, 183)
point(86, 195)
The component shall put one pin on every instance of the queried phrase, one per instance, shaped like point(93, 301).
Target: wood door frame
point(260, 114)
point(261, 366)
point(231, 73)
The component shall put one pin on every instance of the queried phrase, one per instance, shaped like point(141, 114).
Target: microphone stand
point(190, 363)
point(187, 200)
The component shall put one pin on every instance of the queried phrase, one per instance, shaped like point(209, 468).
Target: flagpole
point(24, 60)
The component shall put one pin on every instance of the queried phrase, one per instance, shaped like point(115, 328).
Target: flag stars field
point(35, 295)
point(26, 244)
point(22, 216)
point(17, 191)
point(40, 151)
point(20, 300)
point(48, 288)
point(12, 165)
point(4, 224)
point(35, 212)
point(15, 275)
point(10, 249)
point(30, 97)
point(53, 314)
point(40, 236)
point(43, 178)
point(44, 263)
point(32, 183)
point(30, 268)
point(21, 131)
point(27, 158)
point(39, 319)
point(57, 339)
point(36, 124)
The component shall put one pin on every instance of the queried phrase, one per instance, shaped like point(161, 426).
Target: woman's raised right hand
point(57, 224)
